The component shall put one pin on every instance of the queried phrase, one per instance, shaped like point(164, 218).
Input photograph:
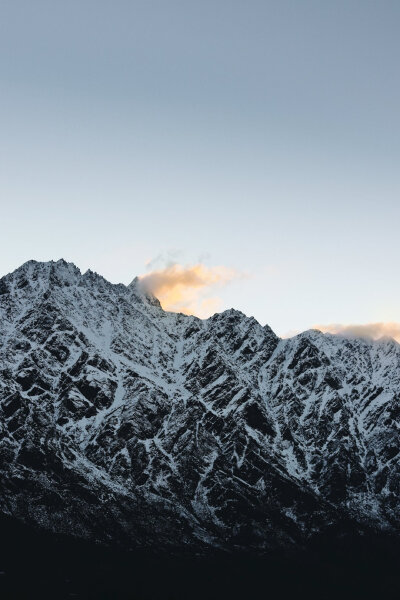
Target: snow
point(171, 405)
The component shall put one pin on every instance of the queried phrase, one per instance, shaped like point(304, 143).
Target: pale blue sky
point(263, 136)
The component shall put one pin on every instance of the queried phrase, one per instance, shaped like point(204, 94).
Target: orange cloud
point(368, 330)
point(185, 288)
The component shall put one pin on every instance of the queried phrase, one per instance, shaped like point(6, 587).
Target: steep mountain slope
point(121, 422)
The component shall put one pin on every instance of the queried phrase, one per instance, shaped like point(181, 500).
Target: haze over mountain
point(124, 423)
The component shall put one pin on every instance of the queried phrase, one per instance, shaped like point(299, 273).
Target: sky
point(248, 151)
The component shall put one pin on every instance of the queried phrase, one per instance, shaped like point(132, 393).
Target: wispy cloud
point(367, 330)
point(187, 288)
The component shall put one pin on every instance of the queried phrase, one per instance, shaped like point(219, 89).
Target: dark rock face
point(121, 422)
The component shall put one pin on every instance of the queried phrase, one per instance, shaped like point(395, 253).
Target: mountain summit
point(120, 422)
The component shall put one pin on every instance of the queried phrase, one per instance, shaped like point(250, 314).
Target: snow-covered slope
point(122, 422)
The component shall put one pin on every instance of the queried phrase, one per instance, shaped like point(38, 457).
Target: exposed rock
point(122, 422)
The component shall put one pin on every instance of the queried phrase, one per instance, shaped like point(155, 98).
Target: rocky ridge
point(123, 423)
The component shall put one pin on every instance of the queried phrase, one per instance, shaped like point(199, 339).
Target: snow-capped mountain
point(122, 422)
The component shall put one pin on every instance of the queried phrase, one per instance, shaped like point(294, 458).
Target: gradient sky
point(263, 136)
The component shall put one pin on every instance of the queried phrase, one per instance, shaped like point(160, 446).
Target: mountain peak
point(137, 288)
point(40, 275)
point(34, 267)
